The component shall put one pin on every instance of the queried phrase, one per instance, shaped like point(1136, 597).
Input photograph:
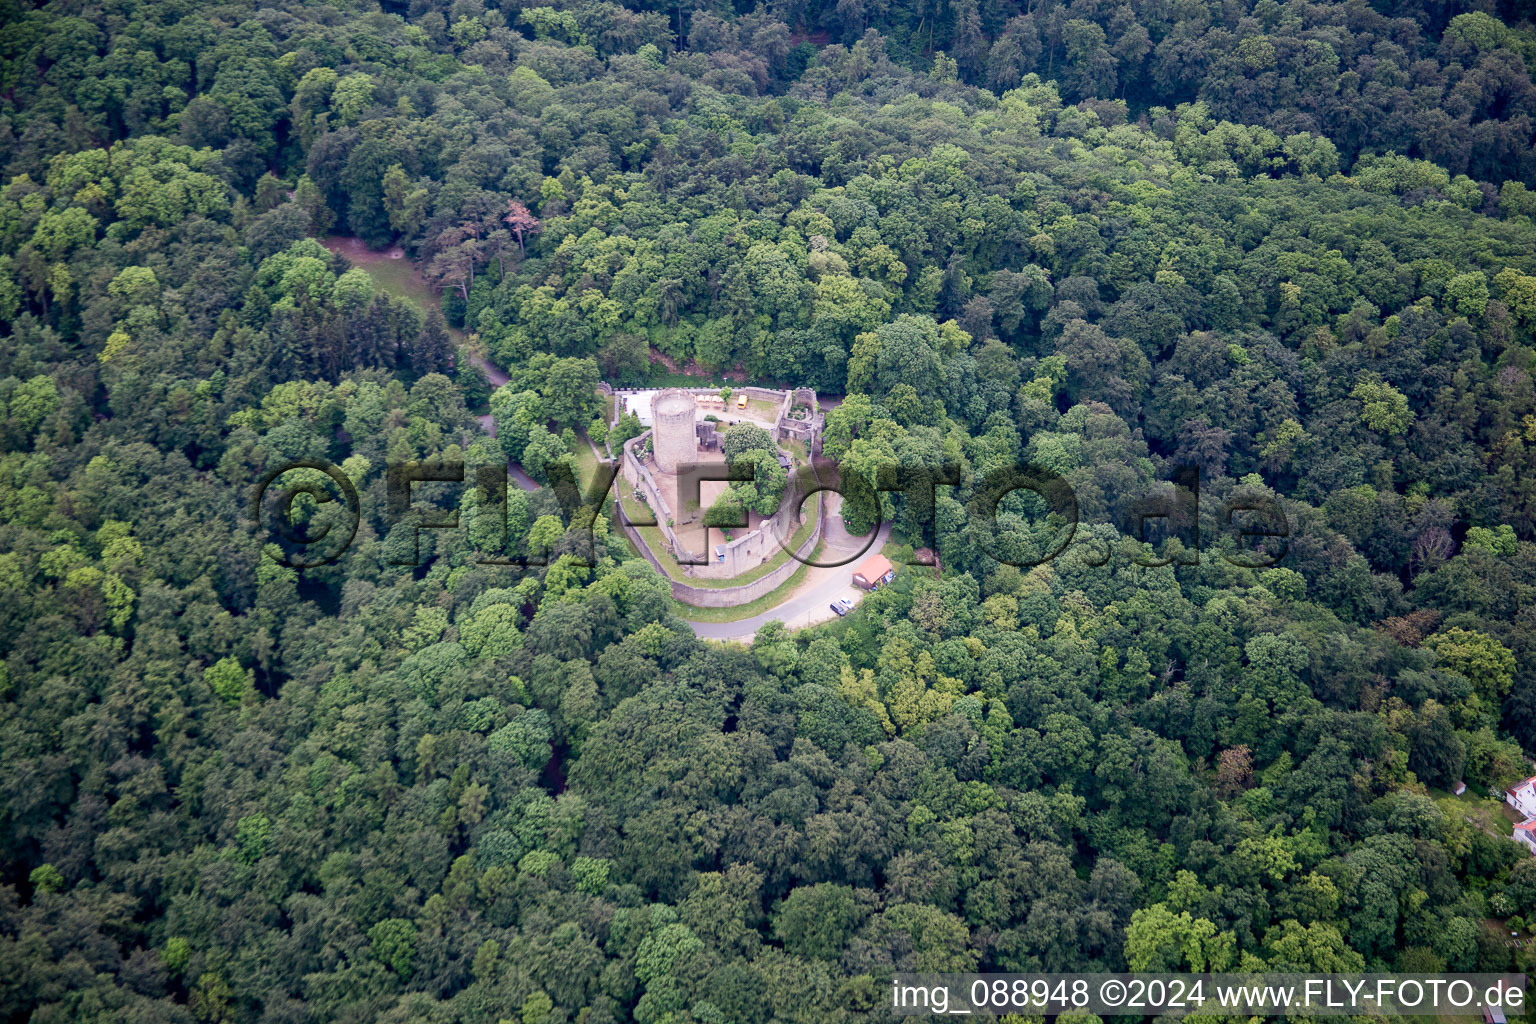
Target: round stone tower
point(672, 431)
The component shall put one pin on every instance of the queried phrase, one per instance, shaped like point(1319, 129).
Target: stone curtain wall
point(805, 431)
point(750, 550)
point(729, 597)
point(750, 390)
point(638, 476)
point(756, 546)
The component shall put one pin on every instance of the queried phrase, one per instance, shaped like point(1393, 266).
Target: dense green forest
point(1288, 243)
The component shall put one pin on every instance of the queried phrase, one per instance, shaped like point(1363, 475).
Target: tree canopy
point(478, 766)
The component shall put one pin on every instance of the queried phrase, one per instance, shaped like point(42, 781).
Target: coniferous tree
point(432, 349)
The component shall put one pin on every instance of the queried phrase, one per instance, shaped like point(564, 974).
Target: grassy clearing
point(397, 277)
point(760, 408)
point(1491, 816)
point(586, 462)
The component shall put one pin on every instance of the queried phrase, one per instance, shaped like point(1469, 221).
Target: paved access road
point(811, 601)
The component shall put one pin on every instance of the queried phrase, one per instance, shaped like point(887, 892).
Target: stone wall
point(750, 390)
point(749, 550)
point(755, 547)
point(730, 597)
point(638, 475)
point(741, 554)
point(806, 431)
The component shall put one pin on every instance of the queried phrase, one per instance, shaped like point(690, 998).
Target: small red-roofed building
point(1522, 797)
point(873, 571)
point(1524, 836)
